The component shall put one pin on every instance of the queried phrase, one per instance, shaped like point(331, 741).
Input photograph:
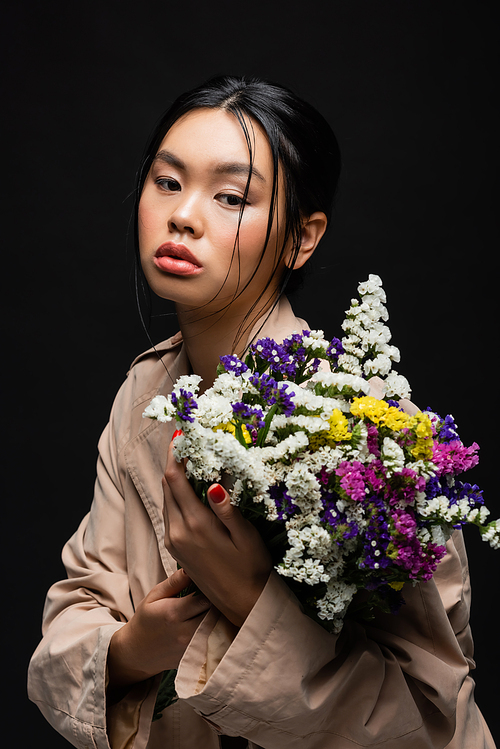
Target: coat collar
point(146, 453)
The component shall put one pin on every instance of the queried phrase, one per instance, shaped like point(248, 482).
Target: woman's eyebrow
point(239, 169)
point(168, 158)
point(230, 167)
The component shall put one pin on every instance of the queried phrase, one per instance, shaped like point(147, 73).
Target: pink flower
point(404, 522)
point(419, 563)
point(454, 457)
point(352, 480)
point(372, 440)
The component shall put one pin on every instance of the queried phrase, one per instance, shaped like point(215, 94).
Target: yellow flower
point(339, 425)
point(395, 419)
point(423, 432)
point(379, 411)
point(369, 408)
point(396, 586)
point(337, 432)
point(230, 427)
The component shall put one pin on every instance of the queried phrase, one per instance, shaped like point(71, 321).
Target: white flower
point(437, 506)
point(289, 447)
point(227, 384)
point(397, 386)
point(391, 351)
point(214, 409)
point(188, 382)
point(339, 380)
point(438, 535)
point(350, 364)
point(492, 534)
point(160, 409)
point(381, 365)
point(310, 571)
point(372, 286)
point(334, 603)
point(393, 457)
point(302, 485)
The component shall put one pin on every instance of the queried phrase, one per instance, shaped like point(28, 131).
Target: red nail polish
point(177, 433)
point(216, 493)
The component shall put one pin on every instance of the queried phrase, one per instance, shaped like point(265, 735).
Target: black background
point(410, 89)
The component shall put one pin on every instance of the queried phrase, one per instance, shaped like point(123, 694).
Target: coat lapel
point(146, 454)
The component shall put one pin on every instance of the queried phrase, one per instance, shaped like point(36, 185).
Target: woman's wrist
point(120, 673)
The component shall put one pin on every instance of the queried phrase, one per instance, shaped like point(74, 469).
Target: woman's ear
point(313, 229)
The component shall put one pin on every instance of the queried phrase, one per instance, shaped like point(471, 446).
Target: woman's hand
point(221, 551)
point(156, 637)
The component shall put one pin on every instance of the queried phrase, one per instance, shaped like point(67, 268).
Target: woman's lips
point(176, 259)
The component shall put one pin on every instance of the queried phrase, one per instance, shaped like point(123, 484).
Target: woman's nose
point(186, 216)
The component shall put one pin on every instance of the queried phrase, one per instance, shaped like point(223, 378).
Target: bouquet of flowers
point(349, 491)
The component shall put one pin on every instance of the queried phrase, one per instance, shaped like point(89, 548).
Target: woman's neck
point(209, 336)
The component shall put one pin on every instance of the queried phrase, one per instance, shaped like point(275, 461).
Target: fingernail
point(177, 433)
point(216, 493)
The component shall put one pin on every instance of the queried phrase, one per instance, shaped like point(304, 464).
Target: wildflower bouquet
point(349, 491)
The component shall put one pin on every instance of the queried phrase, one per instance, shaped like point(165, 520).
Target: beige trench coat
point(281, 681)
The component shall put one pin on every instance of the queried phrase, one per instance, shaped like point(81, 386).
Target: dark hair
point(300, 139)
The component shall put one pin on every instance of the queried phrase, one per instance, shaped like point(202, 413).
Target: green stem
point(265, 430)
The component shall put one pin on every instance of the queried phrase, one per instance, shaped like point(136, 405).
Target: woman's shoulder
point(152, 372)
point(147, 360)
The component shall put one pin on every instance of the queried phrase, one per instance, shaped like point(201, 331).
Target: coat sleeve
point(67, 673)
point(285, 681)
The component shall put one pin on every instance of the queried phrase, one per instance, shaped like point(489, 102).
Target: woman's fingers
point(156, 637)
point(190, 605)
point(227, 513)
point(171, 587)
point(377, 387)
point(180, 497)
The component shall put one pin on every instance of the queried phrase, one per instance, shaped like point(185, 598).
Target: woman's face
point(189, 210)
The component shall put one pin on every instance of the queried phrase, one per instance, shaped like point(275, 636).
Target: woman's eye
point(232, 200)
point(169, 184)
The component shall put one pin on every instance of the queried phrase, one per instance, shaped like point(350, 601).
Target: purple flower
point(446, 428)
point(471, 491)
point(376, 538)
point(250, 416)
point(335, 349)
point(284, 504)
point(231, 363)
point(272, 393)
point(394, 404)
point(342, 528)
point(404, 485)
point(185, 405)
point(279, 361)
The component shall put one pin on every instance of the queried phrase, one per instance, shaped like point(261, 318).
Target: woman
point(232, 199)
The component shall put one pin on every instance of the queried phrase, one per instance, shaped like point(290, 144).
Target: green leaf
point(166, 693)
